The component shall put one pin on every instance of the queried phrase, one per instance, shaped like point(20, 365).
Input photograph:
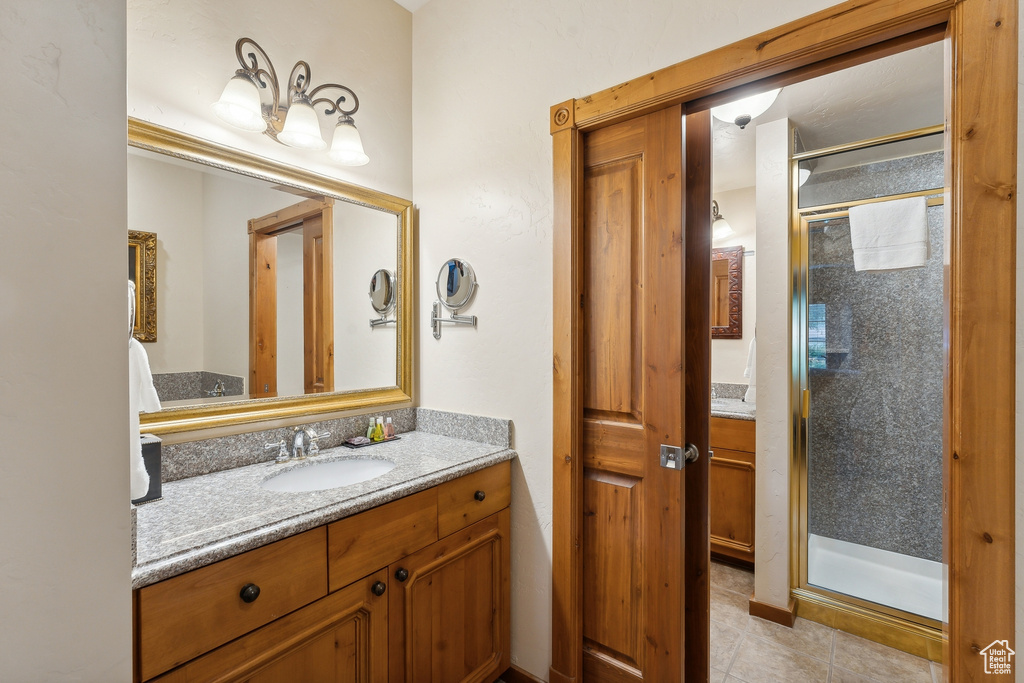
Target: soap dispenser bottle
point(378, 430)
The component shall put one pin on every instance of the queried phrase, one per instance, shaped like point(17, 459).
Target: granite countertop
point(733, 408)
point(207, 518)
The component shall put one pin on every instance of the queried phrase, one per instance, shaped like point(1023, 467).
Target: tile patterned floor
point(746, 649)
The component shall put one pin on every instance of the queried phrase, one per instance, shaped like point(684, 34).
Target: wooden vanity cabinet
point(333, 606)
point(449, 607)
point(731, 489)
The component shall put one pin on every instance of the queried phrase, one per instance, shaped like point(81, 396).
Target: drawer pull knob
point(479, 495)
point(402, 574)
point(378, 588)
point(250, 592)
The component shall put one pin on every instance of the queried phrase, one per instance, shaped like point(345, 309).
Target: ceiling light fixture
point(295, 124)
point(743, 111)
point(720, 227)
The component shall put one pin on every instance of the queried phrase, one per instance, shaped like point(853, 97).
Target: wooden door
point(342, 638)
point(314, 219)
point(633, 384)
point(449, 615)
point(318, 305)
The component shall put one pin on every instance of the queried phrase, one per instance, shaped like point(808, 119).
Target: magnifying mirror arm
point(381, 321)
point(436, 320)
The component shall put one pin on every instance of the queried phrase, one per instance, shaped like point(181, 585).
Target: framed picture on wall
point(142, 271)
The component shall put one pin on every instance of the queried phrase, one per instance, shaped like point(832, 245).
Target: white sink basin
point(328, 475)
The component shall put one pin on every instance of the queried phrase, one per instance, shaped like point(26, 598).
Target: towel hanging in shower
point(890, 235)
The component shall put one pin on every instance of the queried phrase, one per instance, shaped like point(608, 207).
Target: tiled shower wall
point(875, 424)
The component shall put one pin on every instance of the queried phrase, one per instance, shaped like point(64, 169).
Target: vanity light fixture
point(720, 227)
point(743, 111)
point(296, 123)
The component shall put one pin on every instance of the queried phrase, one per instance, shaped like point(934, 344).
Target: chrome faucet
point(304, 443)
point(218, 389)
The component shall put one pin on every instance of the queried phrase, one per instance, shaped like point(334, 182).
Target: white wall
point(181, 55)
point(486, 74)
point(774, 366)
point(365, 240)
point(168, 200)
point(729, 356)
point(65, 561)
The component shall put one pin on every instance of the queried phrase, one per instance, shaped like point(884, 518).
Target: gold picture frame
point(142, 271)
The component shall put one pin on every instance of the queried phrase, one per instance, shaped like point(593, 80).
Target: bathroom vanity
point(731, 480)
point(404, 577)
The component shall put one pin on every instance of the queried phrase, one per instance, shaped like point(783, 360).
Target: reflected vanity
point(262, 281)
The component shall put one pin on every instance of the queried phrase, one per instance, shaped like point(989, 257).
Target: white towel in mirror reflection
point(142, 397)
point(751, 372)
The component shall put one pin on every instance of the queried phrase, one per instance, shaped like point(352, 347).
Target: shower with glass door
point(868, 361)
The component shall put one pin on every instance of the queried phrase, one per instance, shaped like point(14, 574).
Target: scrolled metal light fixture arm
point(298, 84)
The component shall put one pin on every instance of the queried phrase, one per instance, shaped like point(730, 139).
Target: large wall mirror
point(264, 285)
point(727, 293)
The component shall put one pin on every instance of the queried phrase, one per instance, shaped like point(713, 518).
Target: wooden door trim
point(980, 390)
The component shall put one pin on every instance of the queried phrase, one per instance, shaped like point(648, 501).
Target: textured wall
point(729, 356)
point(774, 366)
point(66, 552)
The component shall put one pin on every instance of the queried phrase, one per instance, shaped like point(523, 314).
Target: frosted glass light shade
point(804, 174)
point(239, 105)
point(721, 229)
point(752, 106)
point(302, 128)
point(347, 146)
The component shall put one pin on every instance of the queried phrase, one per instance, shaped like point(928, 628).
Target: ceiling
point(412, 5)
point(889, 95)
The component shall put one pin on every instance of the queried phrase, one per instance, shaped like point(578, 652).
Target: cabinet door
point(341, 638)
point(449, 607)
point(731, 503)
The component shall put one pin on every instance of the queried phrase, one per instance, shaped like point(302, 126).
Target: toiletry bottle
point(378, 430)
point(369, 430)
point(389, 429)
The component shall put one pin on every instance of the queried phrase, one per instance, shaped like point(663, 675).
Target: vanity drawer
point(458, 501)
point(185, 616)
point(733, 435)
point(363, 543)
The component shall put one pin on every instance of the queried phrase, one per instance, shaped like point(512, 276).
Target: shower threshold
point(911, 584)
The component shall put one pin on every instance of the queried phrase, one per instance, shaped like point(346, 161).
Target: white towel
point(890, 235)
point(751, 372)
point(142, 397)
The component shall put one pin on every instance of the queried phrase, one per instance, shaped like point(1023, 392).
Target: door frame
point(981, 142)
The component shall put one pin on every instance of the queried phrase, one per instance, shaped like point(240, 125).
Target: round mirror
point(455, 284)
point(382, 292)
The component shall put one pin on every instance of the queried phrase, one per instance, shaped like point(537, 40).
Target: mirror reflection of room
point(203, 349)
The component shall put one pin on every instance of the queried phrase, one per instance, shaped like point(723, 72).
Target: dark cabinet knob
point(480, 495)
point(250, 592)
point(378, 588)
point(402, 574)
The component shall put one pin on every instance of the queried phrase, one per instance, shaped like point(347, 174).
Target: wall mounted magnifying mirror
point(727, 293)
point(257, 286)
point(456, 283)
point(382, 296)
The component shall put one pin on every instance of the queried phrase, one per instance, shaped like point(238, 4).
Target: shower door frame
point(904, 630)
point(981, 41)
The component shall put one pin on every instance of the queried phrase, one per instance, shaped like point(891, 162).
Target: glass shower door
point(872, 351)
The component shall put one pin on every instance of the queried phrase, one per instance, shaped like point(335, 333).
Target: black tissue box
point(151, 458)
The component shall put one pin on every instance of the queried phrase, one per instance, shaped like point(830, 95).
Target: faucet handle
point(282, 450)
point(314, 438)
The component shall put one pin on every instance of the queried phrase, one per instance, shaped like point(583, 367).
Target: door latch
point(675, 457)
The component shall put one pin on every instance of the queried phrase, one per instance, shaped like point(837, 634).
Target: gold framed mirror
point(224, 343)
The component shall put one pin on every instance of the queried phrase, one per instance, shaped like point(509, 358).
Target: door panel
point(632, 320)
